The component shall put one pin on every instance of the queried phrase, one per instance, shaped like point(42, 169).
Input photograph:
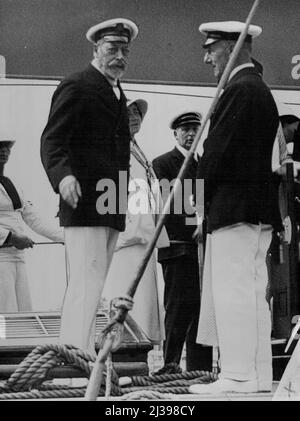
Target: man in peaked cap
point(180, 260)
point(119, 27)
point(86, 140)
point(226, 34)
point(241, 203)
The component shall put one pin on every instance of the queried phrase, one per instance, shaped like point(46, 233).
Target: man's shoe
point(170, 368)
point(225, 386)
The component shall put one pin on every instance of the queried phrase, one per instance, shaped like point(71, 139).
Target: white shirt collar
point(185, 152)
point(238, 68)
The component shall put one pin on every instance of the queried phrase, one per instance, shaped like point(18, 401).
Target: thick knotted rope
point(32, 372)
point(114, 327)
point(26, 381)
point(205, 376)
point(116, 333)
point(166, 386)
point(33, 369)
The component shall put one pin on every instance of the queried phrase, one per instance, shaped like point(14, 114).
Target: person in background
point(291, 129)
point(15, 211)
point(180, 260)
point(290, 123)
point(144, 205)
point(86, 140)
point(283, 153)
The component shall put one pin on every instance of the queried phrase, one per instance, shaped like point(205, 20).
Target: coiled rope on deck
point(27, 381)
point(166, 384)
point(33, 369)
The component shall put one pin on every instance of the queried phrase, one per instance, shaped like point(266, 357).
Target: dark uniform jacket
point(87, 135)
point(167, 166)
point(236, 164)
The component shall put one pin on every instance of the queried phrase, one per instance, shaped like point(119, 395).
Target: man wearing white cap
point(85, 141)
point(242, 207)
point(15, 210)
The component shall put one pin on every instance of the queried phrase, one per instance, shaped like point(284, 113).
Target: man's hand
point(20, 241)
point(70, 190)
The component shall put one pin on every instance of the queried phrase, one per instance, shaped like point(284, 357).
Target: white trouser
point(239, 281)
point(14, 288)
point(89, 251)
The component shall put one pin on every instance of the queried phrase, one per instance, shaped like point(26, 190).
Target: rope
point(124, 301)
point(148, 395)
point(109, 367)
point(48, 394)
point(180, 390)
point(165, 386)
point(174, 383)
point(169, 383)
point(114, 328)
point(174, 93)
point(139, 155)
point(33, 370)
point(27, 381)
point(4, 387)
point(187, 375)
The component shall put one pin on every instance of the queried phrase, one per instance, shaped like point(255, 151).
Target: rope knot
point(124, 302)
point(119, 307)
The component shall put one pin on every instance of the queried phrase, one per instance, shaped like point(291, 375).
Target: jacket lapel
point(179, 158)
point(243, 72)
point(103, 88)
point(177, 155)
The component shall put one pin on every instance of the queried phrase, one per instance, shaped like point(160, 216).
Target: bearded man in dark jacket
point(85, 148)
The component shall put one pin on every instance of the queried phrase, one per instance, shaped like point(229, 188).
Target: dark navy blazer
point(236, 164)
point(87, 135)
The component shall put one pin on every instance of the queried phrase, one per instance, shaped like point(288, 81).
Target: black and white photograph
point(149, 203)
